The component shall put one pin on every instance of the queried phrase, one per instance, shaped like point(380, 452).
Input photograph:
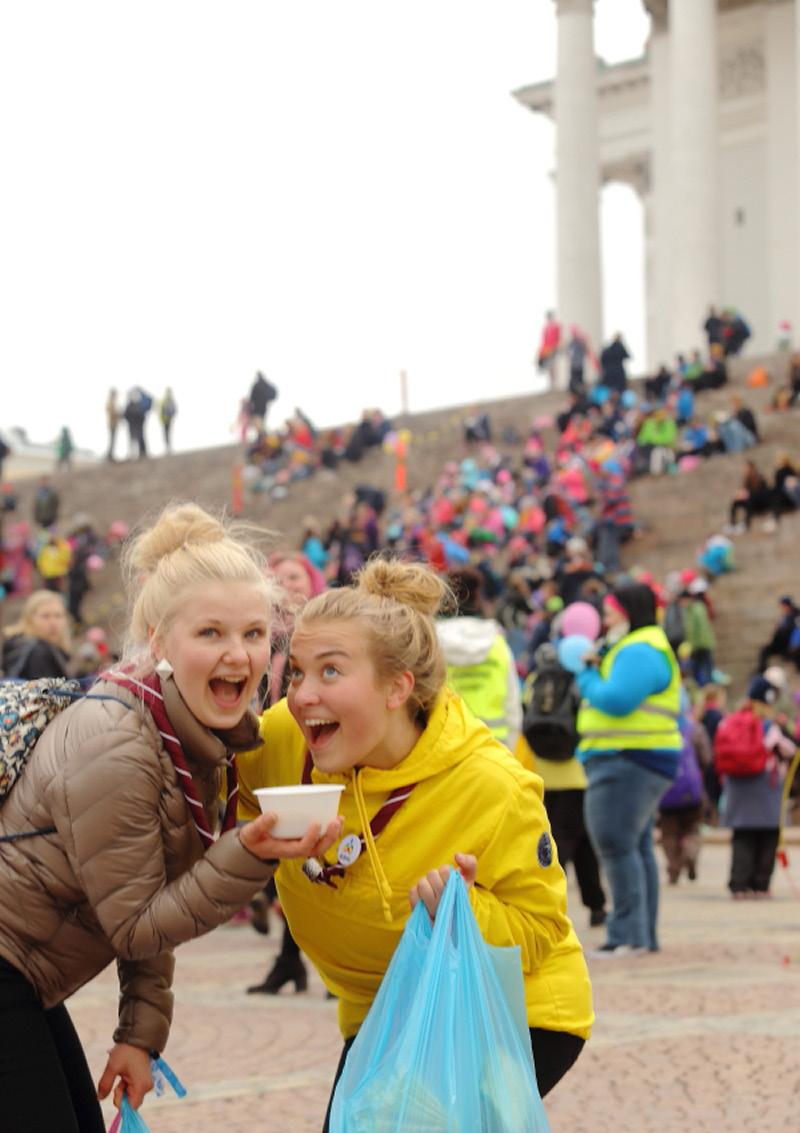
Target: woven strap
point(148, 690)
point(378, 823)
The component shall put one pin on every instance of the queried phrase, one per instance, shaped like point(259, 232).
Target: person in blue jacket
point(630, 745)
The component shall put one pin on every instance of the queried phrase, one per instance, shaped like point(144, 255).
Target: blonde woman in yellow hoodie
point(426, 785)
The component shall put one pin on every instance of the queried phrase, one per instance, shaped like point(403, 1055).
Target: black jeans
point(565, 811)
point(753, 859)
point(757, 503)
point(553, 1054)
point(702, 666)
point(608, 541)
point(45, 1084)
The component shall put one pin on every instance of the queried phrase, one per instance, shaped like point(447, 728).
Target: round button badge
point(349, 850)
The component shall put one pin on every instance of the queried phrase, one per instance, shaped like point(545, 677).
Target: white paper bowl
point(297, 807)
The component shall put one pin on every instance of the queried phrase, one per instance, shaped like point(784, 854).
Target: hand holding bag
point(128, 1120)
point(445, 1047)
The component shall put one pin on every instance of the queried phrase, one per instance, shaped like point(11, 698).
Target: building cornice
point(563, 7)
point(618, 78)
point(659, 9)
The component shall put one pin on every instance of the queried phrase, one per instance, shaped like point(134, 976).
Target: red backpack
point(739, 748)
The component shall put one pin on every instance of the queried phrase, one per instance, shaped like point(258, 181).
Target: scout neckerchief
point(352, 846)
point(148, 690)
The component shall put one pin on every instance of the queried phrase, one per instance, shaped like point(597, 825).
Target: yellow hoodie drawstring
point(381, 880)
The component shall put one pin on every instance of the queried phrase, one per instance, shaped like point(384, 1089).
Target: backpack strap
point(27, 834)
point(56, 689)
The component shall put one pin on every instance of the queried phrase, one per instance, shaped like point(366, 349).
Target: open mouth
point(321, 731)
point(226, 691)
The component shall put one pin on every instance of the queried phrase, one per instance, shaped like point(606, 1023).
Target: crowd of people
point(726, 333)
point(759, 495)
point(136, 414)
point(495, 691)
point(525, 542)
point(297, 450)
point(664, 431)
point(49, 562)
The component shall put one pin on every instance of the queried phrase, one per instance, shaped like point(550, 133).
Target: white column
point(652, 311)
point(782, 174)
point(694, 149)
point(796, 318)
point(577, 172)
point(660, 346)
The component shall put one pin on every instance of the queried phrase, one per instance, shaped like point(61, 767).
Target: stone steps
point(677, 512)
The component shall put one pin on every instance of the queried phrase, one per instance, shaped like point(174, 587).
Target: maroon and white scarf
point(148, 690)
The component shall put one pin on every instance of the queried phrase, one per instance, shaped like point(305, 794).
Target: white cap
point(577, 546)
point(776, 676)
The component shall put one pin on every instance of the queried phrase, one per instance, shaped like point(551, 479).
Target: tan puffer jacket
point(124, 876)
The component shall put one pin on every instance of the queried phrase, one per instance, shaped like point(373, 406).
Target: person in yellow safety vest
point(630, 746)
point(480, 664)
point(425, 786)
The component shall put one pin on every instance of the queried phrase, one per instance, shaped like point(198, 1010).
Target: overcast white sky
point(327, 190)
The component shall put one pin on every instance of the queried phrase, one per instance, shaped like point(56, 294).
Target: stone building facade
point(706, 128)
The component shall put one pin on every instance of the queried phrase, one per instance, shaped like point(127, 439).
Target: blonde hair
point(31, 608)
point(396, 602)
point(186, 547)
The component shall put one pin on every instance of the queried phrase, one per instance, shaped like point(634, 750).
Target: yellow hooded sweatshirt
point(472, 796)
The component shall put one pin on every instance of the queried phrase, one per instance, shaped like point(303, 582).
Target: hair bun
point(176, 527)
point(411, 584)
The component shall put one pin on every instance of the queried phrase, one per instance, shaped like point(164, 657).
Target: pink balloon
point(94, 562)
point(580, 618)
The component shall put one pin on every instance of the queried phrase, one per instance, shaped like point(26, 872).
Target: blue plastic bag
point(445, 1047)
point(128, 1120)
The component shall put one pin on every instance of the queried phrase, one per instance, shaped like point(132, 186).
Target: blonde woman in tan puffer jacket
point(129, 861)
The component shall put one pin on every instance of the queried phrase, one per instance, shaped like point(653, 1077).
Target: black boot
point(286, 969)
point(259, 914)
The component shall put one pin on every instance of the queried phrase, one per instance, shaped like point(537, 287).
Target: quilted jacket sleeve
point(145, 1001)
point(110, 818)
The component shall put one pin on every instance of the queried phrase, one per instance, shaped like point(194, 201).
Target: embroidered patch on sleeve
point(544, 851)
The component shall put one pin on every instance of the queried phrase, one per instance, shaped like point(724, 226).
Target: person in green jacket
point(699, 631)
point(65, 447)
point(658, 436)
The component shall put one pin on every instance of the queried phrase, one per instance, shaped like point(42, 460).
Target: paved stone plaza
point(703, 1037)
